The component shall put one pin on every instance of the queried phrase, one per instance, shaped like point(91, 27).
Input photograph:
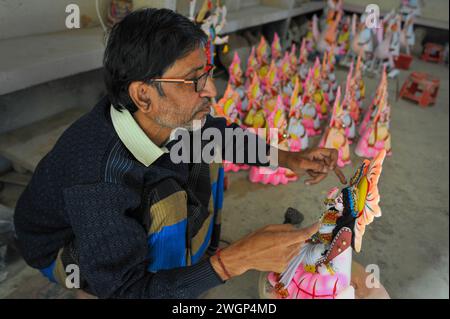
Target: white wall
point(432, 9)
point(27, 17)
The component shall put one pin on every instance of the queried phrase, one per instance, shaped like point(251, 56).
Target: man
point(109, 199)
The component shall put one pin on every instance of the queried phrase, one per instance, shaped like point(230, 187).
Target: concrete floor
point(410, 242)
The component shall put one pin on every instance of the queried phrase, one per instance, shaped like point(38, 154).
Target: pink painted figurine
point(262, 56)
point(252, 67)
point(254, 96)
point(235, 71)
point(328, 82)
point(264, 175)
point(271, 82)
point(236, 80)
point(285, 79)
point(334, 136)
point(319, 96)
point(298, 138)
point(303, 61)
point(311, 119)
point(348, 105)
point(276, 48)
point(377, 136)
point(227, 107)
point(371, 110)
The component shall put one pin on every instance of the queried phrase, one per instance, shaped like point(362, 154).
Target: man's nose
point(209, 90)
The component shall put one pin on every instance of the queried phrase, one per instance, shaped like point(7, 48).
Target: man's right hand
point(270, 248)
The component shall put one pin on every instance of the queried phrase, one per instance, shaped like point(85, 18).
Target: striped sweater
point(135, 231)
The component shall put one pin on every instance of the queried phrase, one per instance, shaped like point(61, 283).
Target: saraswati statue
point(323, 267)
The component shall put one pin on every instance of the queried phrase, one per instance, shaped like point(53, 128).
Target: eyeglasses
point(199, 82)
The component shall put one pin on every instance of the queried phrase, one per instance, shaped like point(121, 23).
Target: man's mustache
point(207, 103)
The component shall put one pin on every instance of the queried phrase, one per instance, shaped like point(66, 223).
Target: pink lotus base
point(307, 285)
point(265, 175)
point(341, 162)
point(231, 167)
point(363, 149)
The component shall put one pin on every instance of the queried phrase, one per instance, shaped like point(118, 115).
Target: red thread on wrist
point(222, 265)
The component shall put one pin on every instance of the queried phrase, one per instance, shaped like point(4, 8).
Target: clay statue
point(323, 267)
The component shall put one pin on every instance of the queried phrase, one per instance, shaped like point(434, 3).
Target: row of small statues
point(379, 42)
point(281, 90)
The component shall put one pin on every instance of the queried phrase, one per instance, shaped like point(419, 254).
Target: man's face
point(181, 105)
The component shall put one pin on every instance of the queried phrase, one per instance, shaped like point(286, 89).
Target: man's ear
point(140, 93)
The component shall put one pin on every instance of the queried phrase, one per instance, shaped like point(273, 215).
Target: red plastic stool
point(420, 87)
point(433, 53)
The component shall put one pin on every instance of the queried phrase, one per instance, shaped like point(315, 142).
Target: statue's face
point(214, 19)
point(339, 204)
point(295, 126)
point(303, 72)
point(234, 113)
point(384, 116)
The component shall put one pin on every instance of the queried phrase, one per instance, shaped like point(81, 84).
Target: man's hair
point(143, 46)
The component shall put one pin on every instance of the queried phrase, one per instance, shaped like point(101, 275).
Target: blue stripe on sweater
point(167, 248)
point(48, 272)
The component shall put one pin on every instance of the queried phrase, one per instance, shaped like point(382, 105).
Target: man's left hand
point(316, 162)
